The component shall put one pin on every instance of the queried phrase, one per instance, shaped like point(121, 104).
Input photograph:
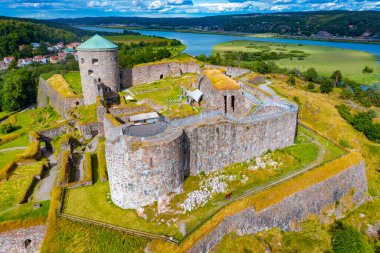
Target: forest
point(338, 23)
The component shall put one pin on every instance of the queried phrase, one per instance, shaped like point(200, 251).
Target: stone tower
point(99, 69)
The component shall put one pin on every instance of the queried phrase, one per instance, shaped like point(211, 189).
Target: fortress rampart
point(141, 170)
point(48, 96)
point(230, 71)
point(294, 208)
point(150, 72)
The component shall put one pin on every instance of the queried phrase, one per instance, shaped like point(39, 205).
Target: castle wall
point(214, 145)
point(141, 172)
point(105, 78)
point(143, 169)
point(294, 208)
point(48, 96)
point(151, 72)
point(230, 71)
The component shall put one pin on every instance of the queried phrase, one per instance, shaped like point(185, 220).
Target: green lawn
point(94, 202)
point(74, 80)
point(85, 114)
point(324, 59)
point(128, 39)
point(13, 190)
point(26, 211)
point(5, 157)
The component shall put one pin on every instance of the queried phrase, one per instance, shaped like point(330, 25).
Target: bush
point(291, 80)
point(10, 137)
point(310, 86)
point(346, 239)
point(65, 173)
point(102, 161)
point(7, 128)
point(367, 70)
point(7, 170)
point(32, 152)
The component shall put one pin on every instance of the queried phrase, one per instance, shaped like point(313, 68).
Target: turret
point(99, 69)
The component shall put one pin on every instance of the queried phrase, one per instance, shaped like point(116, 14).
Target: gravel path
point(45, 186)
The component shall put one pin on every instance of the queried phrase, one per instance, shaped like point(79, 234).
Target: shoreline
point(258, 35)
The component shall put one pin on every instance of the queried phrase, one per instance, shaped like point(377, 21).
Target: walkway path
point(45, 186)
point(11, 149)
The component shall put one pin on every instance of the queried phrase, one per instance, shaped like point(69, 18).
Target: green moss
point(85, 114)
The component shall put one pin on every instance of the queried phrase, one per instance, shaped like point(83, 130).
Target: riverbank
point(256, 35)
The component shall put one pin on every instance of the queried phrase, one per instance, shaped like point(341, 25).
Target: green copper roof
point(97, 43)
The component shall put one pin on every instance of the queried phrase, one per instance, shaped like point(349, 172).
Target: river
point(199, 43)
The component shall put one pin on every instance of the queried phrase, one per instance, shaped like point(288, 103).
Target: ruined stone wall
point(105, 74)
point(48, 96)
point(140, 172)
point(230, 71)
point(254, 91)
point(294, 208)
point(89, 131)
point(155, 71)
point(214, 145)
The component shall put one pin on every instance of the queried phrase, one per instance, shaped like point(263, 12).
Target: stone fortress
point(149, 156)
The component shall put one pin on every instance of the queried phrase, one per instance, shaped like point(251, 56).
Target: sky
point(47, 9)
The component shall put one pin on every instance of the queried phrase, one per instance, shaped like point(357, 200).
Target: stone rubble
point(263, 162)
point(208, 188)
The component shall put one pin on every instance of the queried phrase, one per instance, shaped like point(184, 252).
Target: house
point(3, 65)
point(8, 60)
point(39, 59)
point(55, 60)
point(24, 62)
point(60, 45)
point(62, 56)
point(194, 96)
point(73, 45)
point(21, 47)
point(68, 50)
point(35, 45)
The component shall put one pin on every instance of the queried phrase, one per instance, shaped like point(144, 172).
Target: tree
point(326, 86)
point(202, 57)
point(346, 239)
point(337, 77)
point(12, 65)
point(311, 74)
point(17, 90)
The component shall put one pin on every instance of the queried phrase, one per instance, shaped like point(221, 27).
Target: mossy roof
point(220, 81)
point(60, 84)
point(97, 43)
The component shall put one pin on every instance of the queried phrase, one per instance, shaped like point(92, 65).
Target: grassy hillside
point(324, 59)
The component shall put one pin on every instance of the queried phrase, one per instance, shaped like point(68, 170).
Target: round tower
point(99, 69)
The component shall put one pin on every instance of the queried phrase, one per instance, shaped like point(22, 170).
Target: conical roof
point(97, 43)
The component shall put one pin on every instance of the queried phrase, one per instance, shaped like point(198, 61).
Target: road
point(45, 186)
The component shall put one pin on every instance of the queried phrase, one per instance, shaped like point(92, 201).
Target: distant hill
point(334, 23)
point(17, 31)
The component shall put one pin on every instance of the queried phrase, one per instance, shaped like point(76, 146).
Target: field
point(128, 39)
point(324, 59)
point(307, 151)
point(74, 81)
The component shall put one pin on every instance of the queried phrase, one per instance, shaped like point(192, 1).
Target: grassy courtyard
point(163, 95)
point(13, 190)
point(324, 59)
point(94, 202)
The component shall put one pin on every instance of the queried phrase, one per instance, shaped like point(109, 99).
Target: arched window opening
point(90, 72)
point(81, 60)
point(95, 62)
point(161, 76)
